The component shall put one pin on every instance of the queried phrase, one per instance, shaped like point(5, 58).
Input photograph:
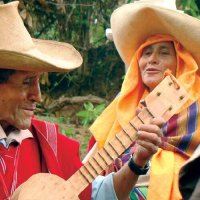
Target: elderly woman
point(152, 39)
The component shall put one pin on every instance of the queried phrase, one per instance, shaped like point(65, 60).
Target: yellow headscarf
point(122, 108)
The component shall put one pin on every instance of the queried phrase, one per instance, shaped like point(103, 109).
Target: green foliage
point(90, 113)
point(97, 34)
point(62, 80)
point(84, 144)
point(61, 121)
point(58, 120)
point(190, 7)
point(70, 132)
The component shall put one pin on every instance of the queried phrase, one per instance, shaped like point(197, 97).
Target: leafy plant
point(90, 113)
point(70, 132)
point(190, 7)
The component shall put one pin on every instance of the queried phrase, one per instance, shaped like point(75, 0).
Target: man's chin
point(24, 125)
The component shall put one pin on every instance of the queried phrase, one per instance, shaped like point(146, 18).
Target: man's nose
point(35, 93)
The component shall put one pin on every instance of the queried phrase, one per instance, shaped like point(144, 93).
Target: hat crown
point(170, 4)
point(13, 34)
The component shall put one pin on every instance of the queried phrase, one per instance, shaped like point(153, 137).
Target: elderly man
point(29, 146)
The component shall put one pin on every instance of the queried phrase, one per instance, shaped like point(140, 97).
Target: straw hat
point(133, 23)
point(19, 51)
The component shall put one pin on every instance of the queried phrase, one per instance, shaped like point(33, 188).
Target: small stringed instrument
point(164, 101)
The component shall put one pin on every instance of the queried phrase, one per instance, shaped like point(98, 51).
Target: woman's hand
point(148, 141)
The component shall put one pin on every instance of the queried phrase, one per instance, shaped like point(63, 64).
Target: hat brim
point(133, 23)
point(46, 56)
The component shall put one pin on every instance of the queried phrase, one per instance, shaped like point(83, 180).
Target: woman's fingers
point(150, 128)
point(151, 148)
point(153, 138)
point(159, 121)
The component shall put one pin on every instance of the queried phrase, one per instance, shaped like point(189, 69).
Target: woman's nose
point(153, 58)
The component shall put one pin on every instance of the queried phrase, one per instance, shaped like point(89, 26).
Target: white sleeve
point(103, 189)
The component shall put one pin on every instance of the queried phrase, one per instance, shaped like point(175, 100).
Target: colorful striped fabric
point(139, 193)
point(180, 131)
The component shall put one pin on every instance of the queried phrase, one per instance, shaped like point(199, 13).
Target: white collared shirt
point(14, 136)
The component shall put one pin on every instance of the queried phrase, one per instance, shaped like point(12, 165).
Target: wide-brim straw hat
point(133, 23)
point(21, 52)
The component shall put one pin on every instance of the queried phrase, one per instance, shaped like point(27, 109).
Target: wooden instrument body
point(164, 101)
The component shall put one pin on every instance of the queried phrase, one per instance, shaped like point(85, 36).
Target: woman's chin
point(152, 83)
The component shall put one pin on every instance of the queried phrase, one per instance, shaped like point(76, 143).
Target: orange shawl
point(123, 107)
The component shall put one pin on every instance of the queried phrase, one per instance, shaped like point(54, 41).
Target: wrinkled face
point(155, 59)
point(18, 99)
